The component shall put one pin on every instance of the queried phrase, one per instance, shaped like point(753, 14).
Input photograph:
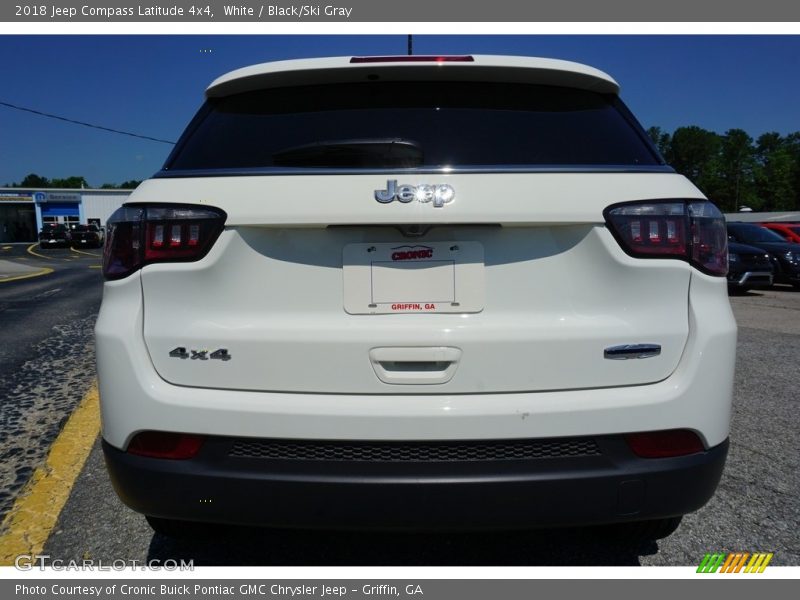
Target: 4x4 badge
point(182, 352)
point(438, 195)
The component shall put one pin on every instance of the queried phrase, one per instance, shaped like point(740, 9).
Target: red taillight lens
point(141, 235)
point(159, 444)
point(411, 58)
point(692, 230)
point(664, 444)
point(122, 253)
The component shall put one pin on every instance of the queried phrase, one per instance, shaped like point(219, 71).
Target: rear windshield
point(412, 125)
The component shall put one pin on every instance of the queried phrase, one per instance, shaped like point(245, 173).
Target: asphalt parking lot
point(47, 313)
point(756, 508)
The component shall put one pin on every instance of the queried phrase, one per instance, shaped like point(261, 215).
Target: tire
point(737, 291)
point(646, 531)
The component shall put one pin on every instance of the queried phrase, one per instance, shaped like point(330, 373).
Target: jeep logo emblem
point(439, 195)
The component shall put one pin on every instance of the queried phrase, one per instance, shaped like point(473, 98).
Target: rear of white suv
point(415, 292)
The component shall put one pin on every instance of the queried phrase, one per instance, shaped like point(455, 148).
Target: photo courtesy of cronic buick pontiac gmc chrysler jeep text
point(416, 292)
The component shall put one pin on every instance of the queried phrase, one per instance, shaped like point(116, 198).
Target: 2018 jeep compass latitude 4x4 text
point(416, 292)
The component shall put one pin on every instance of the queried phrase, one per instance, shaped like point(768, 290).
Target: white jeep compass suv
point(416, 292)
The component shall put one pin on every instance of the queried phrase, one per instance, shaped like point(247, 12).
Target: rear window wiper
point(367, 153)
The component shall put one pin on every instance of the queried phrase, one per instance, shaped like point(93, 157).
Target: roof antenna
point(410, 45)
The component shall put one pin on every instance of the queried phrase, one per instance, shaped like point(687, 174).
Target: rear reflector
point(690, 230)
point(139, 235)
point(412, 58)
point(159, 444)
point(664, 444)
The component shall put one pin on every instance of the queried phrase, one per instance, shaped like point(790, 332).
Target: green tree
point(736, 177)
point(125, 185)
point(694, 152)
point(775, 173)
point(661, 139)
point(34, 181)
point(74, 181)
point(792, 144)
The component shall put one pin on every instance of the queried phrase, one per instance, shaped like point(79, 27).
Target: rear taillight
point(665, 444)
point(139, 235)
point(690, 230)
point(159, 444)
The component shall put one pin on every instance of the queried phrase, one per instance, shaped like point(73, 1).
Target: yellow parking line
point(33, 516)
point(43, 271)
point(30, 251)
point(95, 266)
point(32, 246)
point(86, 253)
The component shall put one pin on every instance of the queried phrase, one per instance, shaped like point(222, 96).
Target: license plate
point(435, 277)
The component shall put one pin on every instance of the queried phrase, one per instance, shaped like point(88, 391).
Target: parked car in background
point(788, 231)
point(785, 256)
point(54, 235)
point(88, 236)
point(748, 267)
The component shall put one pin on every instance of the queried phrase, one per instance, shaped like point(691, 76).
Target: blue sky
point(152, 85)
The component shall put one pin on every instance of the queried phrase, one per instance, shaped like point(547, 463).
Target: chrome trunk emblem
point(438, 195)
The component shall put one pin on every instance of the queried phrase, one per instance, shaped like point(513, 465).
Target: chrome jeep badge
point(439, 195)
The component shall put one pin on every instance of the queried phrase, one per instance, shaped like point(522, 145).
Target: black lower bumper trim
point(614, 486)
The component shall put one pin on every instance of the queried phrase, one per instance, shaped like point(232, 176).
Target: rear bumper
point(788, 276)
point(750, 279)
point(610, 485)
point(785, 272)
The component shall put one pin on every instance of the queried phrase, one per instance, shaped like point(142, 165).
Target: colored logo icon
point(735, 562)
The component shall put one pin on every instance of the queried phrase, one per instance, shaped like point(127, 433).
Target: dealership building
point(24, 211)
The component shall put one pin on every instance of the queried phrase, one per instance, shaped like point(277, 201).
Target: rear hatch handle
point(415, 365)
point(628, 351)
